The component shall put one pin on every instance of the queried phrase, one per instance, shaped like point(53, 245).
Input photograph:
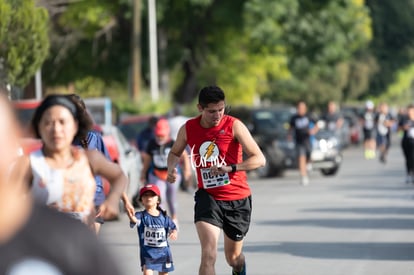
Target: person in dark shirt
point(332, 117)
point(368, 126)
point(300, 128)
point(406, 124)
point(146, 134)
point(383, 122)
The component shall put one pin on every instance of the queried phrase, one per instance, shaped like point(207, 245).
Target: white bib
point(155, 237)
point(210, 181)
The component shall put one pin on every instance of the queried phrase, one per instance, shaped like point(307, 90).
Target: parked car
point(123, 153)
point(327, 146)
point(355, 130)
point(25, 109)
point(132, 125)
point(326, 151)
point(268, 134)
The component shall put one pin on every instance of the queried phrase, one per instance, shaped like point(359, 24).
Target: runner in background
point(368, 126)
point(407, 142)
point(300, 130)
point(383, 122)
point(155, 166)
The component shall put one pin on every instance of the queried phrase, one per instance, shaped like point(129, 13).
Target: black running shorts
point(231, 216)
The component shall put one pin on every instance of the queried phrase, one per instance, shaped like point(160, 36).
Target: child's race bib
point(155, 237)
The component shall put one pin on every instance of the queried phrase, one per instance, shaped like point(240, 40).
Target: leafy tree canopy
point(24, 41)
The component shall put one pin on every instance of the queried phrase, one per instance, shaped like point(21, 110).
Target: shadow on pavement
point(338, 250)
point(365, 210)
point(383, 223)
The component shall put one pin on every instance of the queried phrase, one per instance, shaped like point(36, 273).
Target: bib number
point(155, 237)
point(210, 181)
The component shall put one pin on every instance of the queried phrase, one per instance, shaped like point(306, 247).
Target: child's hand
point(133, 219)
point(173, 234)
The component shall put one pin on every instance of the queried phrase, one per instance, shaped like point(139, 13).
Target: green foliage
point(401, 91)
point(317, 37)
point(88, 16)
point(392, 46)
point(24, 42)
point(144, 105)
point(282, 50)
point(90, 38)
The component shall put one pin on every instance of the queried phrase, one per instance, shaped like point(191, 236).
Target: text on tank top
point(217, 146)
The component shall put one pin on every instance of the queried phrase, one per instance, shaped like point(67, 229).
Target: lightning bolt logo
point(210, 149)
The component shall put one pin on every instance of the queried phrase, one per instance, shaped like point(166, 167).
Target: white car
point(126, 155)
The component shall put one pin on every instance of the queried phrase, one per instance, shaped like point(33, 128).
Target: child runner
point(154, 228)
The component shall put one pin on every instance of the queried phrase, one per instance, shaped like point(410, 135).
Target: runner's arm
point(146, 163)
point(255, 157)
point(175, 154)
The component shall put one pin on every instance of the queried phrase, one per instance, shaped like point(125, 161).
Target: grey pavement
point(359, 222)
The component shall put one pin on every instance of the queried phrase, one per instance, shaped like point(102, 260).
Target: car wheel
point(268, 170)
point(330, 171)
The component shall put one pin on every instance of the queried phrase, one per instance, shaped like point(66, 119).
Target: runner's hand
point(218, 170)
point(109, 210)
point(172, 176)
point(173, 235)
point(130, 210)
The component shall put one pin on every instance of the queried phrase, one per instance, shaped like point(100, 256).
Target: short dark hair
point(210, 94)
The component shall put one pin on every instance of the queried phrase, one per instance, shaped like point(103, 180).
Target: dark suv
point(270, 135)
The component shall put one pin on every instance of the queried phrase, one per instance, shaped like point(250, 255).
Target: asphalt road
point(359, 222)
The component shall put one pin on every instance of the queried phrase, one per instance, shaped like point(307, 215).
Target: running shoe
point(242, 272)
point(304, 180)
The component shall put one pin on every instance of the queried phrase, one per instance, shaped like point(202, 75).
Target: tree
point(89, 39)
point(279, 50)
point(393, 41)
point(318, 36)
point(24, 40)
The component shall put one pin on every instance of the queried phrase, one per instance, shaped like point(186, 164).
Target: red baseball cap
point(150, 187)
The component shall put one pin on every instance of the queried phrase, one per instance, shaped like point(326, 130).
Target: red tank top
point(216, 145)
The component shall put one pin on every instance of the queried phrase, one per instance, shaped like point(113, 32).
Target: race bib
point(155, 237)
point(160, 161)
point(410, 133)
point(210, 181)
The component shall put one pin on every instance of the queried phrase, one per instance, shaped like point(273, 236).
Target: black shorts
point(231, 216)
point(304, 149)
point(369, 134)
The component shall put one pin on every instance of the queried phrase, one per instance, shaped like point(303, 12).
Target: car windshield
point(131, 130)
point(265, 121)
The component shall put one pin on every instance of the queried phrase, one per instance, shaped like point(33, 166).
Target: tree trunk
point(187, 91)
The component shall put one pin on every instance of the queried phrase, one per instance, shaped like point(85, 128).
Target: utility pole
point(152, 23)
point(38, 84)
point(136, 51)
